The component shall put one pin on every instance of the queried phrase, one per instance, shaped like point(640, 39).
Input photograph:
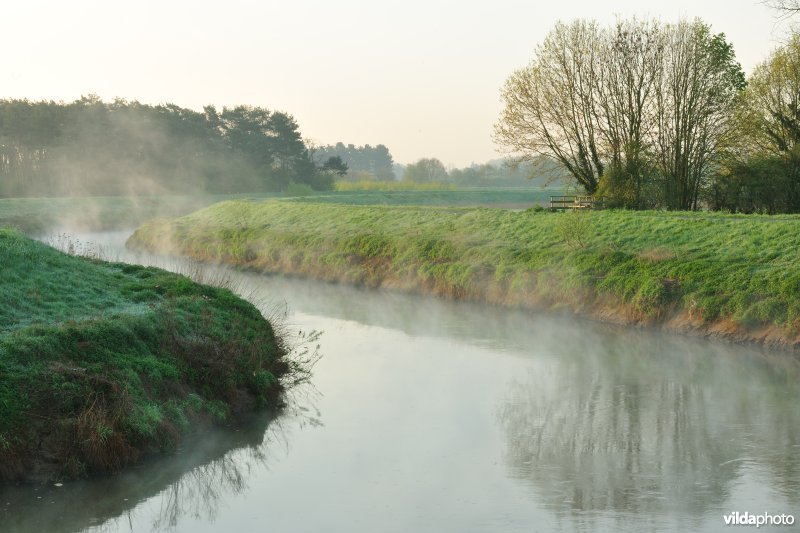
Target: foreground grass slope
point(734, 276)
point(102, 363)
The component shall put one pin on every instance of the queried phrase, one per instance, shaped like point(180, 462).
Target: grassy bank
point(732, 276)
point(103, 363)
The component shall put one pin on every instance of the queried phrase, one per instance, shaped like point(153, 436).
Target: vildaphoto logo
point(747, 519)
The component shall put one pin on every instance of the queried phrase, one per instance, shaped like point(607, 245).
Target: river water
point(433, 416)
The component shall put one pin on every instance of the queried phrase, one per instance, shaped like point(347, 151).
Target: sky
point(422, 77)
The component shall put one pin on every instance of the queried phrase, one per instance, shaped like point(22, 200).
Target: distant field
point(32, 215)
point(35, 215)
point(392, 186)
point(521, 198)
point(737, 276)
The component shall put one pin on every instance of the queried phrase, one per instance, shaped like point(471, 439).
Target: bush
point(574, 227)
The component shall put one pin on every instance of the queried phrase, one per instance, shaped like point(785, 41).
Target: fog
point(413, 413)
point(432, 415)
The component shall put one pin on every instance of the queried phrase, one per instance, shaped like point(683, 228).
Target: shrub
point(574, 227)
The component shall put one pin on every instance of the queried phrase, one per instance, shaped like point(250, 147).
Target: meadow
point(41, 215)
point(478, 197)
point(38, 215)
point(105, 363)
point(735, 276)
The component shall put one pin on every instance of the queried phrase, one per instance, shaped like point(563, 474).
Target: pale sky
point(421, 77)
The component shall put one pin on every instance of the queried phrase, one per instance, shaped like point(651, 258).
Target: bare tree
point(696, 100)
point(628, 80)
point(638, 104)
point(551, 105)
point(786, 7)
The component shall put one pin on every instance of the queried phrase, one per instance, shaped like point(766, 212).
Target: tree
point(696, 99)
point(550, 107)
point(89, 147)
point(638, 107)
point(425, 171)
point(335, 165)
point(362, 161)
point(786, 7)
point(765, 160)
point(632, 57)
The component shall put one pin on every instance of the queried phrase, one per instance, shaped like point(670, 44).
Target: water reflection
point(651, 426)
point(190, 484)
point(192, 480)
point(446, 416)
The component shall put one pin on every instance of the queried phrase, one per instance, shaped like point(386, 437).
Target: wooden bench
point(577, 202)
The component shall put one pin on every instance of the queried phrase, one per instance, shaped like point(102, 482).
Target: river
point(432, 416)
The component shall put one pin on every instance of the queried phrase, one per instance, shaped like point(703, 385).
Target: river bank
point(105, 363)
point(517, 418)
point(734, 277)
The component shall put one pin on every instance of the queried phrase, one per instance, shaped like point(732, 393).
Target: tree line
point(364, 163)
point(660, 115)
point(89, 147)
point(540, 171)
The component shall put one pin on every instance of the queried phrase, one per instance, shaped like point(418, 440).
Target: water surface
point(427, 415)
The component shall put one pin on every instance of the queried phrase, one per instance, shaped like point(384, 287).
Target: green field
point(39, 215)
point(484, 197)
point(736, 276)
point(103, 363)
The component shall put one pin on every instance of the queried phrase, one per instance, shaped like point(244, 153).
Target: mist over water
point(428, 415)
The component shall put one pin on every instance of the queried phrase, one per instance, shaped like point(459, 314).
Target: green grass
point(370, 185)
point(648, 267)
point(486, 197)
point(101, 363)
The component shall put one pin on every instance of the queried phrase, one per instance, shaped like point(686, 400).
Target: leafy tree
point(755, 185)
point(629, 75)
point(550, 107)
point(696, 101)
point(764, 160)
point(425, 170)
point(641, 110)
point(89, 147)
point(362, 161)
point(336, 165)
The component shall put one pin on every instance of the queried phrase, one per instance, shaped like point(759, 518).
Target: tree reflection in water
point(188, 485)
point(636, 426)
point(197, 493)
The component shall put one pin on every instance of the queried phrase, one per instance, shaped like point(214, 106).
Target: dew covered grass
point(102, 363)
point(706, 267)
